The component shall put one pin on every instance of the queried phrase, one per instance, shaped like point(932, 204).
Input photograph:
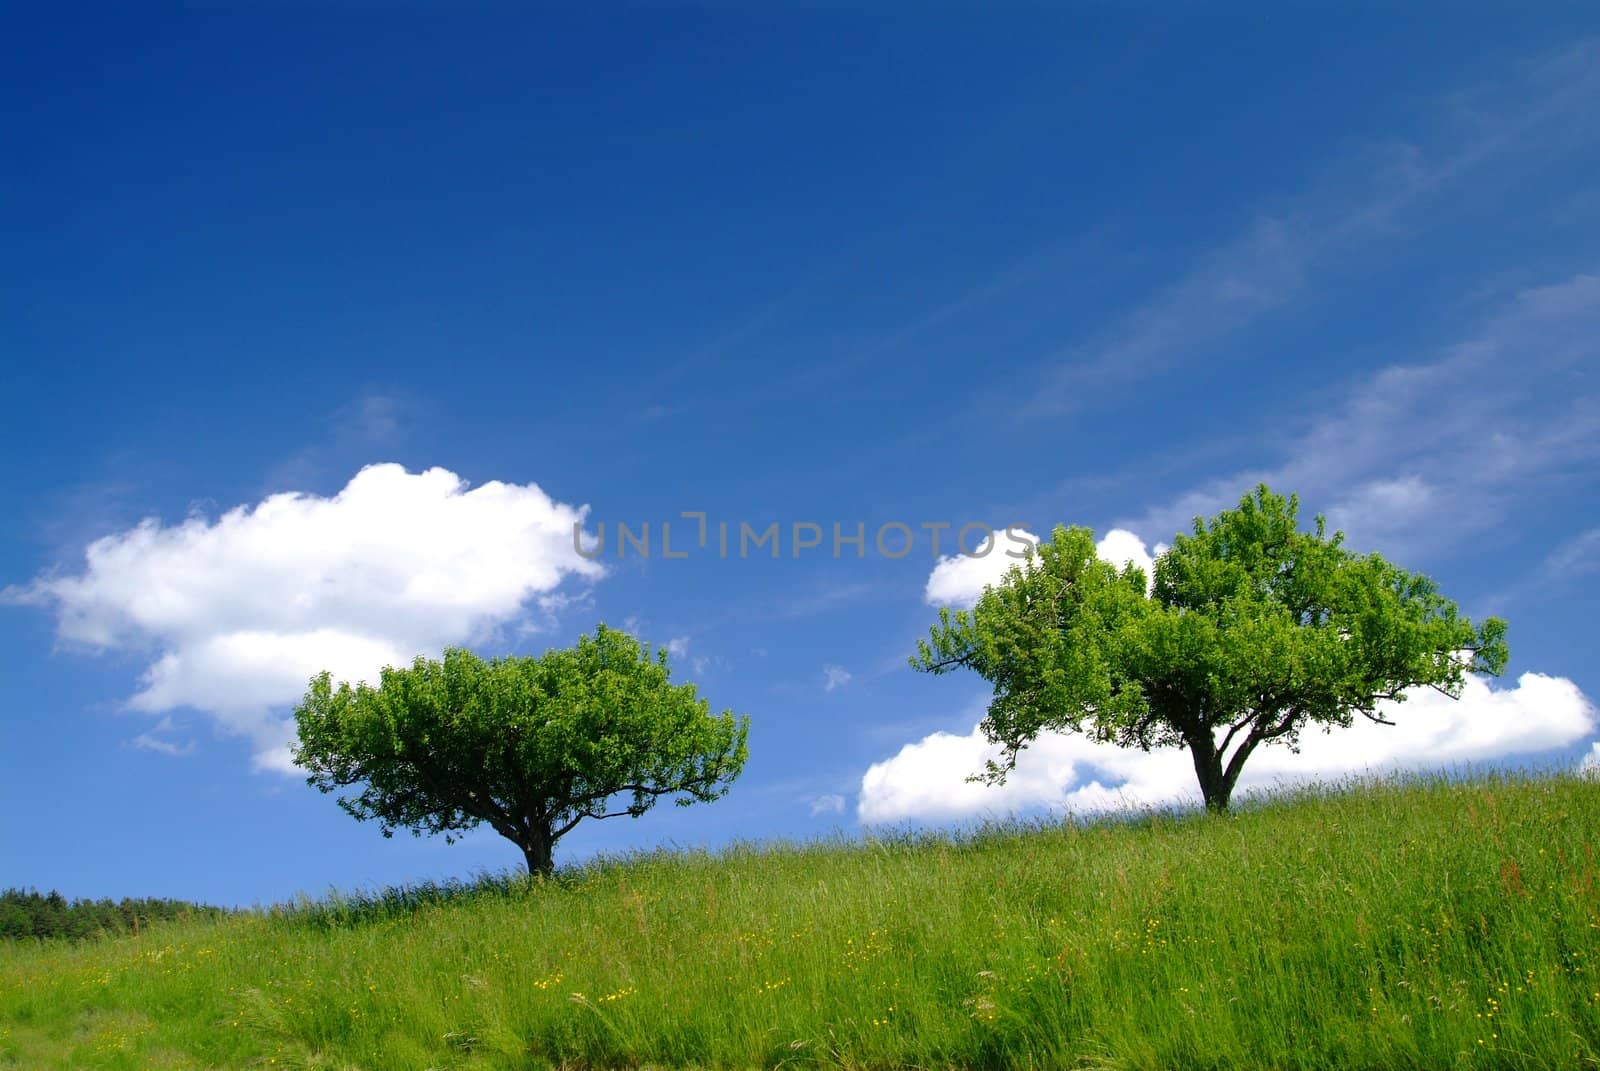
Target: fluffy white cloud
point(1121, 547)
point(927, 779)
point(1591, 762)
point(244, 609)
point(959, 580)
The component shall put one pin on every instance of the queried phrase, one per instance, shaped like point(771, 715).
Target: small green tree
point(531, 746)
point(1253, 630)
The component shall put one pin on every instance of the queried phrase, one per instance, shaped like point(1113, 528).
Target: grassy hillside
point(1417, 925)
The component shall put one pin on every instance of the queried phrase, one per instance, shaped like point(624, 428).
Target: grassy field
point(1404, 925)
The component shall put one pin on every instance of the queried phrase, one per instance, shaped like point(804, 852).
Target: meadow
point(1415, 923)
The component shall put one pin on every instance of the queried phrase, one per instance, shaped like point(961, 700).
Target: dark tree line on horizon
point(28, 913)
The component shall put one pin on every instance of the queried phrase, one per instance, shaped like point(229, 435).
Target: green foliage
point(28, 913)
point(1405, 925)
point(531, 746)
point(1252, 631)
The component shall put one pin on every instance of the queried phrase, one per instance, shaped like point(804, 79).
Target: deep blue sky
point(799, 266)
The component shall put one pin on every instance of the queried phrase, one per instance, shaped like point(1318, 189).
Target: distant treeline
point(30, 913)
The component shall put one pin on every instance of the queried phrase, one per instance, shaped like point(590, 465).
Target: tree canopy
point(1253, 630)
point(530, 746)
point(26, 913)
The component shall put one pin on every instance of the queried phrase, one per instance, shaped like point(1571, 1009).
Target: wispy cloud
point(1274, 259)
point(1578, 556)
point(834, 677)
point(1571, 560)
point(827, 803)
point(150, 741)
point(1420, 455)
point(1252, 274)
point(372, 422)
point(823, 597)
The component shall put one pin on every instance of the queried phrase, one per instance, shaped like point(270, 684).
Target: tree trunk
point(539, 852)
point(1215, 788)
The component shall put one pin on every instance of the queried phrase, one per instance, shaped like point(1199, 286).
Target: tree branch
point(647, 790)
point(557, 834)
point(1257, 736)
point(1233, 729)
point(710, 777)
point(609, 814)
point(483, 808)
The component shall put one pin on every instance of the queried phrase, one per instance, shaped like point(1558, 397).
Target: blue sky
point(801, 267)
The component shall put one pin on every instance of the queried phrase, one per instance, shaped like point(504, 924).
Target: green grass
point(1419, 924)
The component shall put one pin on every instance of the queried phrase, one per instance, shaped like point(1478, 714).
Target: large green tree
point(1253, 630)
point(530, 746)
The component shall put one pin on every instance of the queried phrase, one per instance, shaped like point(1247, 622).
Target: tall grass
point(1416, 924)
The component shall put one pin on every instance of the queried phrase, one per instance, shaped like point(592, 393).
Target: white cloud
point(1590, 766)
point(959, 580)
point(834, 677)
point(243, 610)
point(1121, 548)
point(678, 647)
point(829, 803)
point(926, 779)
